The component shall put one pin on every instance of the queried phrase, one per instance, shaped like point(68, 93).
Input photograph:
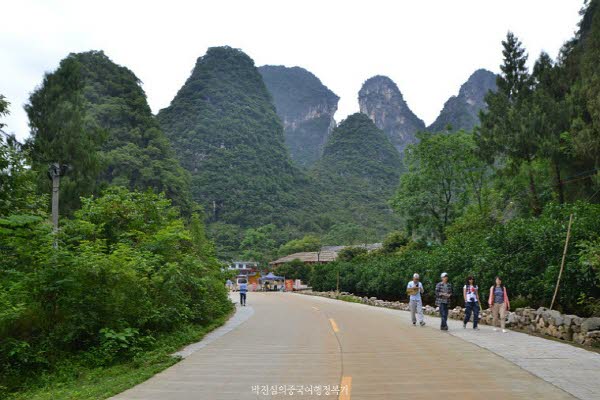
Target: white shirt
point(417, 296)
point(471, 292)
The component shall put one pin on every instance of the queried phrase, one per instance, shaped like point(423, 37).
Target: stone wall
point(570, 328)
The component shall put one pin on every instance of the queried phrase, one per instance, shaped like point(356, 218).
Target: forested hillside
point(358, 173)
point(305, 106)
point(228, 136)
point(92, 115)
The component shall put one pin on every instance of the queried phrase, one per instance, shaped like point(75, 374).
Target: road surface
point(292, 341)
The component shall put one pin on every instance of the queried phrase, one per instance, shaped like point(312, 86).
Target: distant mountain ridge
point(381, 100)
point(305, 106)
point(462, 111)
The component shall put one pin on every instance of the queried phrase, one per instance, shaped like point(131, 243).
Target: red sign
point(289, 285)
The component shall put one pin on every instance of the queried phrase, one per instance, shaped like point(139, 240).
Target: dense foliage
point(357, 175)
point(526, 252)
point(126, 268)
point(124, 271)
point(228, 136)
point(444, 175)
point(306, 108)
point(92, 115)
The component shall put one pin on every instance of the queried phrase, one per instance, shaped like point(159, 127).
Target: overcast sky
point(428, 47)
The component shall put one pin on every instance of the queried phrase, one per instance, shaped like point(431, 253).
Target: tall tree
point(580, 59)
point(93, 114)
point(443, 172)
point(506, 132)
point(550, 119)
point(58, 134)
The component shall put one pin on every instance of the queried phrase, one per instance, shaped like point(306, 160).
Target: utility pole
point(55, 171)
point(562, 263)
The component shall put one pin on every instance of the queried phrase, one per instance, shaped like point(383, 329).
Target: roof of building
point(370, 247)
point(308, 257)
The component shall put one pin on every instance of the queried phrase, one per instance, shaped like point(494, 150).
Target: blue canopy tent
point(270, 277)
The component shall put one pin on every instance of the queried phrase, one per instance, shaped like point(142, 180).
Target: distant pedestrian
point(443, 293)
point(243, 291)
point(499, 303)
point(414, 290)
point(471, 296)
point(229, 285)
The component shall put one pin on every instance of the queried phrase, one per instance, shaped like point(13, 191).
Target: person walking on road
point(243, 291)
point(414, 289)
point(499, 303)
point(471, 296)
point(443, 293)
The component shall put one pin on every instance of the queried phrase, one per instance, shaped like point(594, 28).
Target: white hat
point(416, 276)
point(444, 274)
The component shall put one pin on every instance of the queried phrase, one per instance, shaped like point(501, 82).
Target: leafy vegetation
point(228, 136)
point(444, 175)
point(357, 175)
point(122, 272)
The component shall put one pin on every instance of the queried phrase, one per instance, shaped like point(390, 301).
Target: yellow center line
point(345, 388)
point(334, 325)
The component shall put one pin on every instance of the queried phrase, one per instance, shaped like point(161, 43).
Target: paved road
point(309, 341)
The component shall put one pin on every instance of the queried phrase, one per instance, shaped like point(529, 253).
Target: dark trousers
point(243, 298)
point(472, 306)
point(444, 314)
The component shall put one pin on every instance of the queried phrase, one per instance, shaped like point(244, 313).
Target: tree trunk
point(559, 183)
point(535, 201)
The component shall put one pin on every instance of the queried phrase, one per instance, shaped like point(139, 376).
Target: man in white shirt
point(414, 289)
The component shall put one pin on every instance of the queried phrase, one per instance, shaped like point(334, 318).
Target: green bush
point(126, 267)
point(526, 252)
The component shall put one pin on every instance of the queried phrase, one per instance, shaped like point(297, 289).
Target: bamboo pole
point(562, 263)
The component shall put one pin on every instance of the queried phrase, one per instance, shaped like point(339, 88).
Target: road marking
point(316, 308)
point(345, 388)
point(334, 325)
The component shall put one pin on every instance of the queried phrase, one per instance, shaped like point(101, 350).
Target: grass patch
point(74, 381)
point(350, 299)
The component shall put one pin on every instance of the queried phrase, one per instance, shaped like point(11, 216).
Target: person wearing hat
point(443, 293)
point(414, 290)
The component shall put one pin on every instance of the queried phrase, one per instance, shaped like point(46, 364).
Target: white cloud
point(428, 47)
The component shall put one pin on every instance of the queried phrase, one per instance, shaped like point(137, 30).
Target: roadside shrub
point(126, 267)
point(526, 252)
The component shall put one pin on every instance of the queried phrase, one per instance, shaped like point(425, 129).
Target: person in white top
point(471, 296)
point(414, 290)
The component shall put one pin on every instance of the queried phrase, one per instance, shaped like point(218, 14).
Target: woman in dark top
point(499, 303)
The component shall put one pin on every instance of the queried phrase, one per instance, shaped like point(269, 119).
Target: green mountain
point(382, 101)
point(112, 137)
point(228, 136)
point(462, 111)
point(358, 174)
point(306, 108)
